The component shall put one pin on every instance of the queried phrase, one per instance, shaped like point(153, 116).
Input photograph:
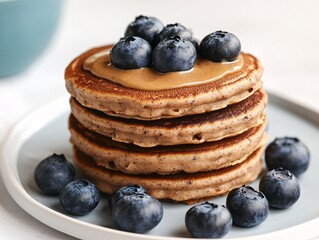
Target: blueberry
point(195, 43)
point(247, 206)
point(289, 153)
point(131, 53)
point(53, 173)
point(280, 187)
point(208, 220)
point(126, 190)
point(79, 197)
point(174, 54)
point(137, 213)
point(176, 29)
point(220, 46)
point(145, 27)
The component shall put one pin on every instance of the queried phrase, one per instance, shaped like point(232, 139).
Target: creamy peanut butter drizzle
point(203, 72)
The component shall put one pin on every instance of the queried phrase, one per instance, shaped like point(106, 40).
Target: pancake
point(194, 129)
point(180, 187)
point(113, 99)
point(132, 159)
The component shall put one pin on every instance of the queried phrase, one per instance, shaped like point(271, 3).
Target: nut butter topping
point(204, 71)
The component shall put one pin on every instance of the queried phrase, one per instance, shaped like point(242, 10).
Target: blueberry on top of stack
point(184, 120)
point(174, 46)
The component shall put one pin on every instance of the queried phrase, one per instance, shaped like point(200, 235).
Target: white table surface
point(284, 35)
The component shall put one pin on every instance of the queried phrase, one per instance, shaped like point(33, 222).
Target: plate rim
point(39, 211)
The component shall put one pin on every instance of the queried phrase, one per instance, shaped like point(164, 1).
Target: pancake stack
point(183, 144)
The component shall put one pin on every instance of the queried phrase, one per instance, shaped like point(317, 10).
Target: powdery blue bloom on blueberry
point(288, 153)
point(126, 190)
point(131, 53)
point(53, 173)
point(280, 187)
point(176, 29)
point(144, 27)
point(79, 197)
point(137, 213)
point(247, 206)
point(174, 54)
point(220, 46)
point(208, 220)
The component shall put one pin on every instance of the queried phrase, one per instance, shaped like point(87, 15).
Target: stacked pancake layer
point(184, 144)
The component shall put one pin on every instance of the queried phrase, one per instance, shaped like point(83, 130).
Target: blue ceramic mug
point(26, 27)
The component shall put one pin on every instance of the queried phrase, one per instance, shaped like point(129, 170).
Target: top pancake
point(114, 99)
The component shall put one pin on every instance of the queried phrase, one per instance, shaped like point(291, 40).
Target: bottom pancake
point(179, 187)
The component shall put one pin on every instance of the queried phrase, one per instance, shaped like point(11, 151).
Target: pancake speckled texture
point(180, 187)
point(184, 144)
point(166, 160)
point(193, 129)
point(114, 99)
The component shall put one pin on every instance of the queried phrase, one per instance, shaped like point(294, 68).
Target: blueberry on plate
point(126, 190)
point(53, 173)
point(131, 53)
point(174, 54)
point(144, 27)
point(247, 206)
point(79, 197)
point(280, 187)
point(208, 220)
point(137, 213)
point(288, 153)
point(220, 46)
point(176, 29)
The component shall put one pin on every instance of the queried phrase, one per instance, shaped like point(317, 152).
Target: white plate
point(44, 131)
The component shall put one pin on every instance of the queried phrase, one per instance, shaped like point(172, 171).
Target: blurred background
point(282, 34)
